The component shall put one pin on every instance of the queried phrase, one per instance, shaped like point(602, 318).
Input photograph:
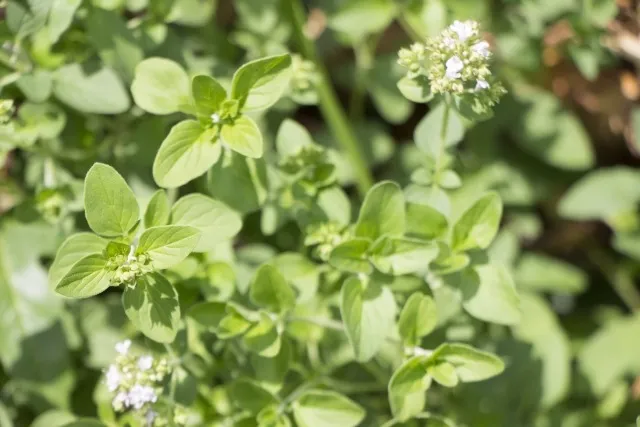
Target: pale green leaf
point(323, 408)
point(259, 84)
point(110, 206)
point(382, 212)
point(478, 225)
point(471, 364)
point(158, 210)
point(368, 313)
point(407, 388)
point(86, 278)
point(213, 219)
point(269, 289)
point(152, 306)
point(398, 256)
point(418, 318)
point(243, 136)
point(72, 250)
point(160, 86)
point(168, 245)
point(208, 94)
point(351, 256)
point(186, 153)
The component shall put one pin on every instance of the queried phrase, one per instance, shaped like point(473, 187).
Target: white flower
point(454, 66)
point(481, 48)
point(150, 416)
point(464, 30)
point(215, 118)
point(145, 362)
point(448, 41)
point(113, 377)
point(120, 400)
point(123, 347)
point(140, 395)
point(482, 84)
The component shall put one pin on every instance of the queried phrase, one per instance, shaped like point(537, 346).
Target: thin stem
point(620, 278)
point(364, 53)
point(296, 393)
point(442, 148)
point(330, 107)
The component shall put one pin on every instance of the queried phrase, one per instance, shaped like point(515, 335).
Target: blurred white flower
point(140, 395)
point(454, 66)
point(145, 362)
point(123, 347)
point(482, 84)
point(113, 377)
point(464, 30)
point(481, 48)
point(215, 118)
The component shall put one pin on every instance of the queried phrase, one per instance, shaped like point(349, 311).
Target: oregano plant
point(287, 213)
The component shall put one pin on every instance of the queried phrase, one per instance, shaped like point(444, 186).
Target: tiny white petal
point(141, 395)
point(482, 84)
point(113, 377)
point(145, 362)
point(448, 42)
point(454, 66)
point(123, 347)
point(215, 118)
point(464, 30)
point(150, 416)
point(481, 48)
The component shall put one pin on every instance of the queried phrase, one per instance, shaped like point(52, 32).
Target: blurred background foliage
point(562, 151)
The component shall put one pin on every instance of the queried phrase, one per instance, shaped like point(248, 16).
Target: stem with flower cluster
point(331, 109)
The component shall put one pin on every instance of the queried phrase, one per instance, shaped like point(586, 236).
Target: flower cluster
point(6, 110)
point(325, 237)
point(304, 76)
point(135, 379)
point(456, 62)
point(128, 268)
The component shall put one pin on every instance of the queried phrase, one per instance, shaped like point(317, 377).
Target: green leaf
point(259, 84)
point(208, 95)
point(160, 86)
point(86, 278)
point(98, 92)
point(489, 294)
point(114, 41)
point(215, 220)
point(478, 226)
point(52, 418)
point(168, 245)
point(263, 338)
point(36, 86)
point(470, 363)
point(368, 313)
point(158, 210)
point(382, 212)
point(238, 181)
point(233, 324)
point(110, 206)
point(602, 194)
point(383, 87)
point(617, 337)
point(429, 135)
point(407, 388)
point(186, 153)
point(61, 17)
point(323, 408)
point(398, 256)
point(291, 138)
point(351, 256)
point(270, 290)
point(208, 314)
point(243, 136)
point(540, 273)
point(444, 373)
point(250, 396)
point(72, 250)
point(358, 18)
point(418, 318)
point(417, 89)
point(425, 222)
point(272, 370)
point(152, 306)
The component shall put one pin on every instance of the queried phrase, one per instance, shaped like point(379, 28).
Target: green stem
point(364, 53)
point(331, 109)
point(442, 148)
